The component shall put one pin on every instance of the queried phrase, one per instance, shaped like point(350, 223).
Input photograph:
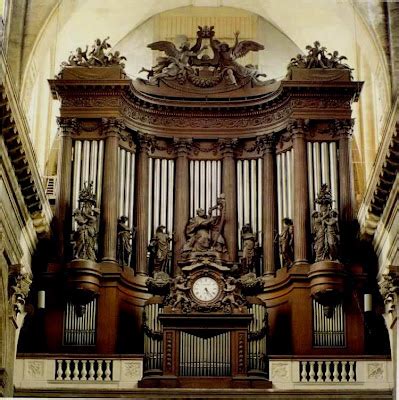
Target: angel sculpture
point(228, 55)
point(97, 57)
point(176, 64)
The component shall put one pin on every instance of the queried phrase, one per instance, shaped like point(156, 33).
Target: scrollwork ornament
point(146, 143)
point(389, 288)
point(266, 143)
point(19, 283)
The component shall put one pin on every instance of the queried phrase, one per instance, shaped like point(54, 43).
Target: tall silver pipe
point(208, 183)
point(150, 195)
point(164, 205)
point(127, 183)
point(334, 173)
point(253, 192)
point(310, 177)
point(131, 186)
point(279, 192)
point(284, 183)
point(157, 187)
point(316, 167)
point(214, 179)
point(219, 178)
point(259, 201)
point(239, 202)
point(246, 192)
point(93, 163)
point(196, 186)
point(77, 159)
point(202, 185)
point(325, 164)
point(100, 171)
point(289, 185)
point(121, 181)
point(86, 162)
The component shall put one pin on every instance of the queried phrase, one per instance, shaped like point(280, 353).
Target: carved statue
point(179, 291)
point(325, 228)
point(159, 249)
point(97, 57)
point(124, 246)
point(175, 65)
point(205, 232)
point(286, 242)
point(250, 246)
point(230, 292)
point(86, 217)
point(317, 58)
point(183, 63)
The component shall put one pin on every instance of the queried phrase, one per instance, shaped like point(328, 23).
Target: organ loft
point(204, 215)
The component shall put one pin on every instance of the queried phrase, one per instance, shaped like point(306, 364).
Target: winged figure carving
point(184, 63)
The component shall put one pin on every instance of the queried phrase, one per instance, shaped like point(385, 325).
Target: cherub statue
point(97, 57)
point(180, 288)
point(229, 292)
point(116, 59)
point(335, 61)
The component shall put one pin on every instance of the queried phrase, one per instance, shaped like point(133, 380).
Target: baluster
point(75, 370)
point(343, 372)
point(311, 372)
point(107, 370)
point(99, 370)
point(91, 370)
point(84, 371)
point(335, 372)
point(319, 377)
point(351, 371)
point(303, 371)
point(67, 371)
point(59, 370)
point(328, 371)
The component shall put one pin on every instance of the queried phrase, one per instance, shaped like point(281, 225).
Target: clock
point(205, 289)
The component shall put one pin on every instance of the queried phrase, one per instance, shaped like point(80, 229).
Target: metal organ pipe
point(334, 173)
point(279, 192)
point(325, 170)
point(77, 160)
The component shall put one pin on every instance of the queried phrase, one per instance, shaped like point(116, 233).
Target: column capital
point(68, 125)
point(145, 143)
point(342, 127)
point(298, 127)
point(182, 146)
point(266, 143)
point(112, 126)
point(227, 146)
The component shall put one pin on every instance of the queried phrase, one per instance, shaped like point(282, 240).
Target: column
point(346, 193)
point(109, 211)
point(144, 144)
point(343, 129)
point(298, 129)
point(68, 126)
point(181, 192)
point(269, 196)
point(229, 180)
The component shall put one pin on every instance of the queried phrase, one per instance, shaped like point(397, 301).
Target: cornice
point(383, 176)
point(16, 137)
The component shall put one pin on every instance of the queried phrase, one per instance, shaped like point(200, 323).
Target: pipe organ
point(205, 184)
point(216, 177)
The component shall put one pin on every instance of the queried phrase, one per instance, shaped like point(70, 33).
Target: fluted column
point(181, 206)
point(68, 126)
point(343, 129)
point(229, 181)
point(144, 144)
point(109, 212)
point(298, 129)
point(269, 195)
point(346, 201)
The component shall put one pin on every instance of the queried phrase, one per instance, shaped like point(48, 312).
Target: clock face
point(205, 288)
